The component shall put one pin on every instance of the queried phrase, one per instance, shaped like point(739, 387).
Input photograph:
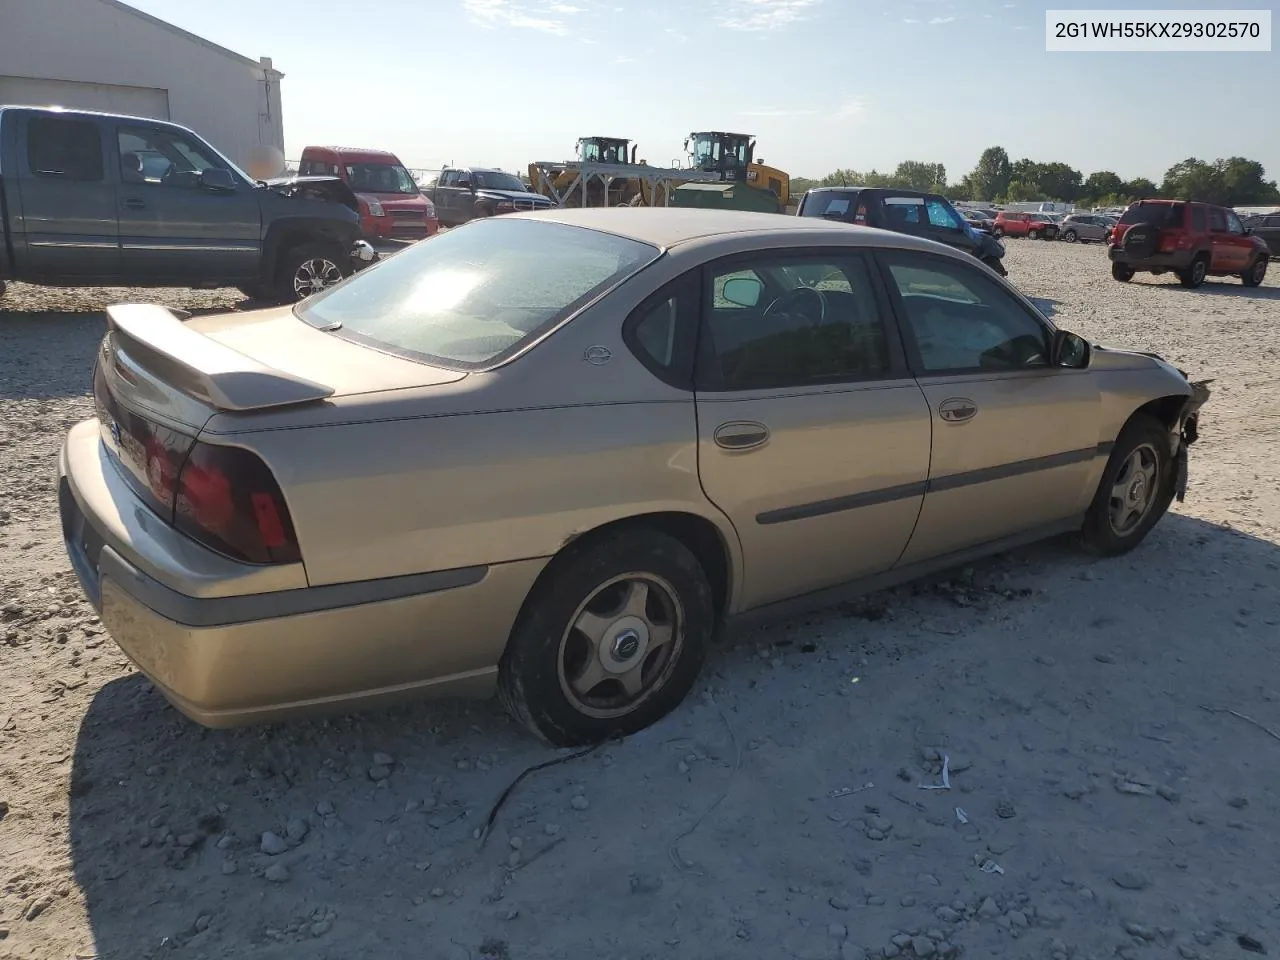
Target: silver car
point(1086, 226)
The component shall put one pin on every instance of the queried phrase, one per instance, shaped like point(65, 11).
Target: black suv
point(91, 199)
point(919, 214)
point(464, 193)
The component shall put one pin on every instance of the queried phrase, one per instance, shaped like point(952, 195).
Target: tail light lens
point(228, 500)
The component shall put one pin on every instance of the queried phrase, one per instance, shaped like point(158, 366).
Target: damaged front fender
point(331, 189)
point(1187, 432)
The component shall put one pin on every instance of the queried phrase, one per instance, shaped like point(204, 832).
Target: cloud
point(939, 20)
point(539, 16)
point(756, 15)
point(624, 59)
point(851, 108)
point(777, 112)
point(676, 35)
point(910, 20)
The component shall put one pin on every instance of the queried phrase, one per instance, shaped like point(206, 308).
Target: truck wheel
point(1135, 491)
point(1252, 277)
point(309, 268)
point(1194, 275)
point(1122, 272)
point(610, 640)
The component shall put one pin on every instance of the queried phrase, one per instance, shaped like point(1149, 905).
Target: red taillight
point(228, 500)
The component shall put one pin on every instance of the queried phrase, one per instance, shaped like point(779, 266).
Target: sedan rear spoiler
point(201, 367)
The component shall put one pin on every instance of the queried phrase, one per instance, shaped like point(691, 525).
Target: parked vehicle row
point(391, 205)
point(102, 199)
point(559, 478)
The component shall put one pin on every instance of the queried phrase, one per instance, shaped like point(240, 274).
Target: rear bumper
point(1174, 260)
point(226, 659)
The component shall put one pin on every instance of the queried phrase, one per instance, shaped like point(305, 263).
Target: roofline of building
point(194, 38)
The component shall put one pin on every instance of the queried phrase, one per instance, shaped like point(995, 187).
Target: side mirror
point(743, 291)
point(1069, 350)
point(218, 180)
point(465, 184)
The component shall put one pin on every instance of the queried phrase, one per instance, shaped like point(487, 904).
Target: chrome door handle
point(957, 410)
point(741, 435)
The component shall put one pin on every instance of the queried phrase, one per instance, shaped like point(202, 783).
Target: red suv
point(1193, 240)
point(391, 205)
point(1033, 226)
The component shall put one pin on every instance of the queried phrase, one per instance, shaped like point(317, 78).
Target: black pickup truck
point(99, 199)
point(464, 193)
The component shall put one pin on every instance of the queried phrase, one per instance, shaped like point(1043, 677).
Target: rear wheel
point(1194, 275)
point(1257, 271)
point(1069, 236)
point(1135, 491)
point(1122, 272)
point(310, 268)
point(611, 639)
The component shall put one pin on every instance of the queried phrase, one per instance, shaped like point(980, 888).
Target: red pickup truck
point(392, 207)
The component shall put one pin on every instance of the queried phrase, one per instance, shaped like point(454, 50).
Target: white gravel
point(1107, 812)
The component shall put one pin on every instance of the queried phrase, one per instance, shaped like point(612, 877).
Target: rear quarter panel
point(506, 465)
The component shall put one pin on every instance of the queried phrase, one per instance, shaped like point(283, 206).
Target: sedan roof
point(671, 226)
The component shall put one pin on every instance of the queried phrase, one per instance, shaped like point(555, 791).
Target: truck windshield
point(380, 178)
point(497, 180)
point(477, 294)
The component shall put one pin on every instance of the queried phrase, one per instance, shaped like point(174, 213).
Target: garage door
point(107, 97)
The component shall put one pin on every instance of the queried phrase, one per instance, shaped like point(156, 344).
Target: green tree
point(1193, 179)
point(1244, 182)
point(844, 177)
point(989, 180)
point(1138, 189)
point(1104, 183)
point(915, 175)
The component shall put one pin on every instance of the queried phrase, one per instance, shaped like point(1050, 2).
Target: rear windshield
point(1156, 214)
point(833, 206)
point(476, 294)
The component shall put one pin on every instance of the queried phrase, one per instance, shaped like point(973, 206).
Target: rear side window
point(66, 149)
point(1217, 222)
point(833, 206)
point(1197, 218)
point(477, 294)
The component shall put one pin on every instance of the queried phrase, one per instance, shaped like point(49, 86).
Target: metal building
point(105, 55)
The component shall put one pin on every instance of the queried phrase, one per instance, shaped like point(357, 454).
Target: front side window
point(941, 215)
point(65, 149)
point(1233, 223)
point(794, 322)
point(478, 294)
point(162, 158)
point(961, 320)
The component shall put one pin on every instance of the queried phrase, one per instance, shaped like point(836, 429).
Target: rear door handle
point(741, 435)
point(133, 203)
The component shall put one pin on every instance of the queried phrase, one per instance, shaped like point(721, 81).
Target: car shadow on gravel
point(167, 818)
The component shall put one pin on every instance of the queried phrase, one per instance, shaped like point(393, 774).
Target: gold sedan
point(553, 453)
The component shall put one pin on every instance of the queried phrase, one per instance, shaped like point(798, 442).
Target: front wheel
point(1257, 271)
point(610, 640)
point(1033, 235)
point(1069, 236)
point(310, 268)
point(1122, 272)
point(1135, 491)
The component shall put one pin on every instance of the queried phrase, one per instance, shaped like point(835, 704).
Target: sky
point(822, 84)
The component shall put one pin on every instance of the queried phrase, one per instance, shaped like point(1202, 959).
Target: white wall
point(232, 102)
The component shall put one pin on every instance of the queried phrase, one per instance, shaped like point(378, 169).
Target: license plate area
point(84, 545)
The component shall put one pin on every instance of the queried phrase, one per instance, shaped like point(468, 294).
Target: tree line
point(1233, 182)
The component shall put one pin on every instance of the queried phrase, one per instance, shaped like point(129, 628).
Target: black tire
point(299, 261)
point(533, 674)
point(1122, 272)
point(1099, 532)
point(1069, 236)
point(1253, 276)
point(1033, 234)
point(1194, 275)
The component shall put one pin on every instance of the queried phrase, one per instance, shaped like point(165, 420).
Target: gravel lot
point(1103, 800)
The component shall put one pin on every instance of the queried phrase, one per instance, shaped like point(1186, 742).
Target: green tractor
point(733, 156)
